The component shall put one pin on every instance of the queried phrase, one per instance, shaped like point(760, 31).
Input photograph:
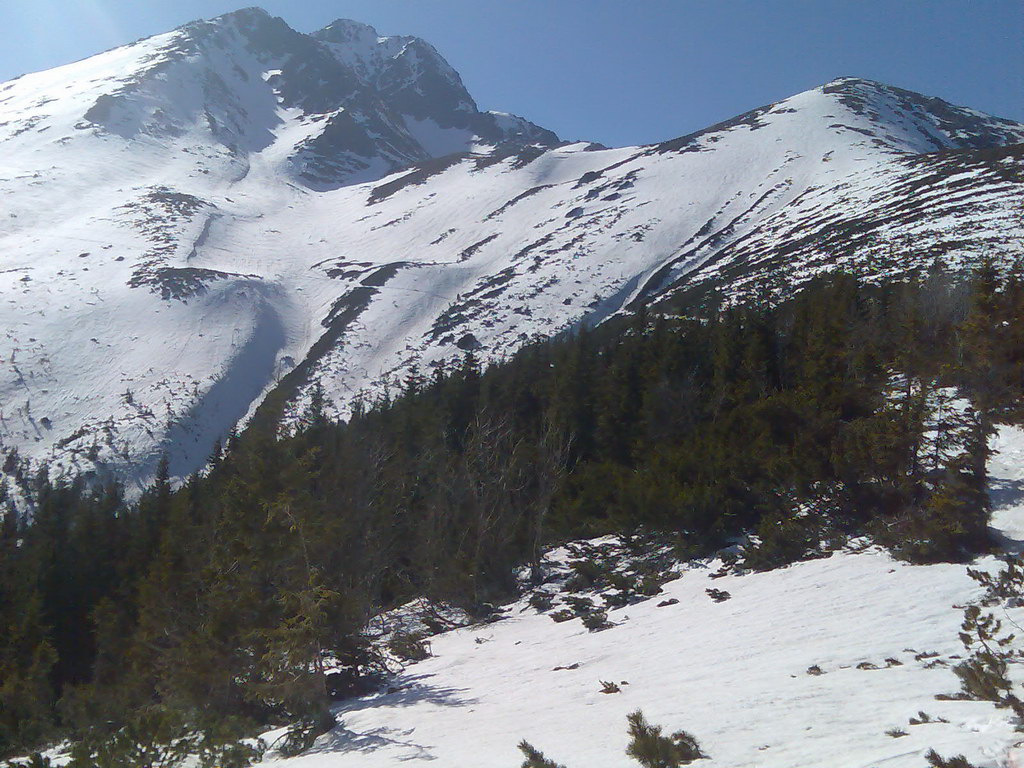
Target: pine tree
point(984, 673)
point(535, 758)
point(652, 750)
point(26, 661)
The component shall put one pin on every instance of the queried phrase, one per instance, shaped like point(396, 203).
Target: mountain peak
point(244, 20)
point(266, 33)
point(851, 81)
point(924, 123)
point(344, 31)
point(363, 105)
point(242, 14)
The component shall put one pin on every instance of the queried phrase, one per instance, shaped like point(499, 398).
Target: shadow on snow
point(414, 691)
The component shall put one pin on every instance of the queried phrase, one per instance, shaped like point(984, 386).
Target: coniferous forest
point(191, 616)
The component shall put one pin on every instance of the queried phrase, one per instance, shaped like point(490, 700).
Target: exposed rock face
point(372, 104)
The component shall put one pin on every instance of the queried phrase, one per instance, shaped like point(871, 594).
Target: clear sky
point(615, 71)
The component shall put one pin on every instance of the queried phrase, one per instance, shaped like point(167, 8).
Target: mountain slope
point(885, 221)
point(197, 217)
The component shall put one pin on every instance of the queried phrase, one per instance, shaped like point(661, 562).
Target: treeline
point(190, 616)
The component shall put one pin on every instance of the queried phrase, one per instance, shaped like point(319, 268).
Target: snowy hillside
point(824, 663)
point(197, 217)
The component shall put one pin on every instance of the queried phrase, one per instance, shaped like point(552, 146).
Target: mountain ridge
point(264, 227)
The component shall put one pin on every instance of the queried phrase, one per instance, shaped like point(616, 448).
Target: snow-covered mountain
point(195, 219)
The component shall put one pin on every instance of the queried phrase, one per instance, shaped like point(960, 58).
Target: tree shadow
point(411, 690)
point(1005, 494)
point(341, 739)
point(407, 691)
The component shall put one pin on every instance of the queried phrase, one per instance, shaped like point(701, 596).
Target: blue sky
point(615, 71)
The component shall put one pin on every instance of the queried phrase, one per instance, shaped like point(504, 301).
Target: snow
point(735, 674)
point(436, 140)
point(1006, 485)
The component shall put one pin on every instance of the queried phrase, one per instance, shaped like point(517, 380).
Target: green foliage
point(782, 540)
point(292, 669)
point(587, 573)
point(158, 738)
point(581, 605)
point(26, 695)
point(937, 761)
point(541, 601)
point(983, 674)
point(647, 746)
point(596, 620)
point(649, 585)
point(304, 732)
point(950, 522)
point(652, 750)
point(409, 646)
point(535, 758)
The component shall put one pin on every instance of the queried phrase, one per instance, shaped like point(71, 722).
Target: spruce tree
point(27, 660)
point(652, 750)
point(534, 758)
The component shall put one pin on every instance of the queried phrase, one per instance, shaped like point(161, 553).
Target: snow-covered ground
point(823, 663)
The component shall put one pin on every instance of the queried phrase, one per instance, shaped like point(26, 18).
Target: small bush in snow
point(781, 540)
point(937, 761)
point(581, 605)
point(652, 750)
point(534, 757)
point(587, 573)
point(924, 717)
point(649, 585)
point(616, 599)
point(434, 625)
point(622, 581)
point(562, 615)
point(596, 620)
point(983, 675)
point(541, 601)
point(647, 746)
